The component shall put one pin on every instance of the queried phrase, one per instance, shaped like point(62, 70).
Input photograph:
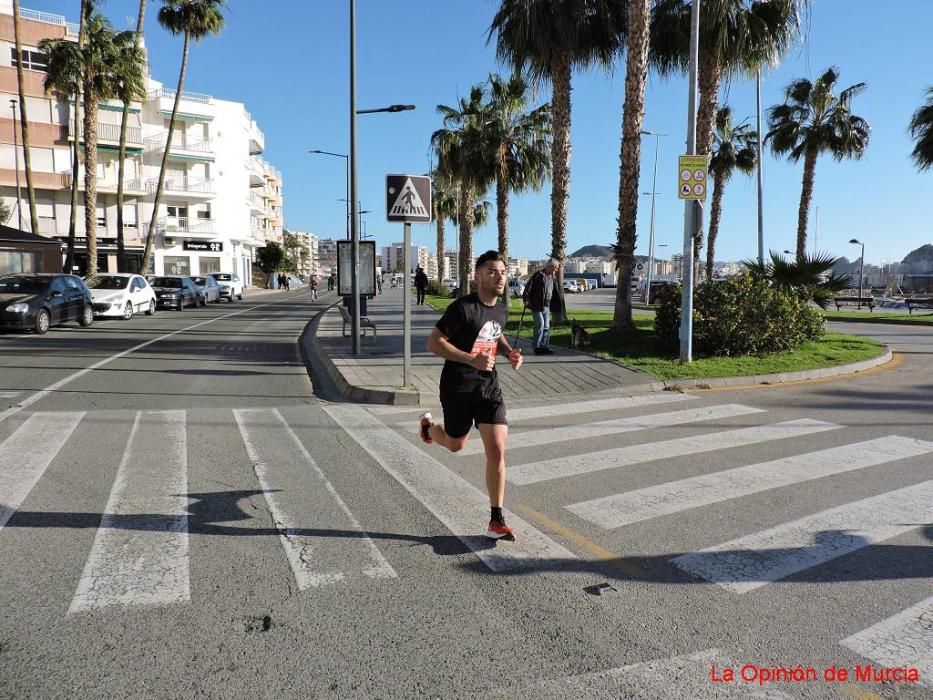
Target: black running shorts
point(464, 409)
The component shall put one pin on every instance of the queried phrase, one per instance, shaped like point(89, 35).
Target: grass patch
point(639, 349)
point(921, 318)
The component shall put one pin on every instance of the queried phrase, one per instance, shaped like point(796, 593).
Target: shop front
point(22, 251)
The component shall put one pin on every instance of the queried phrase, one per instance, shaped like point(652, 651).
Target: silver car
point(209, 289)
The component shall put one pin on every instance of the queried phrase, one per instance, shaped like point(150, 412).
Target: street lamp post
point(19, 201)
point(654, 187)
point(861, 268)
point(693, 218)
point(347, 200)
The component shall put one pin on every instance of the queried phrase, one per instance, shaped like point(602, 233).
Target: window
point(129, 216)
point(101, 215)
point(32, 60)
point(177, 265)
point(209, 265)
point(72, 283)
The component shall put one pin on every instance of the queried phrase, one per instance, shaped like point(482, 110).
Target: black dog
point(578, 335)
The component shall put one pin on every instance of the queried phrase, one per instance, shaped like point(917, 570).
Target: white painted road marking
point(299, 549)
point(686, 676)
point(27, 453)
point(459, 505)
point(585, 431)
point(905, 639)
point(140, 553)
point(9, 394)
point(674, 497)
point(561, 410)
point(756, 560)
point(575, 465)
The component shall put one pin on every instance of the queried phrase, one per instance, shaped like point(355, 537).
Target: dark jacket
point(533, 295)
point(421, 280)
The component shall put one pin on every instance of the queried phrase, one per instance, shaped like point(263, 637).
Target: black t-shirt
point(472, 327)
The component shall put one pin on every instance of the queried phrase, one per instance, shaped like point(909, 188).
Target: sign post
point(408, 199)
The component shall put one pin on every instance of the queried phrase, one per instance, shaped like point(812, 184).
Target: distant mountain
point(922, 254)
point(593, 251)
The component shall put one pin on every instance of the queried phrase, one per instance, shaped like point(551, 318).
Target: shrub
point(436, 289)
point(740, 316)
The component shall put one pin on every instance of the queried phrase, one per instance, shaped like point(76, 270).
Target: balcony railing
point(183, 224)
point(48, 18)
point(133, 184)
point(179, 143)
point(111, 132)
point(190, 96)
point(183, 184)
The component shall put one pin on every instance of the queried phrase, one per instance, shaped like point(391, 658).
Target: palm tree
point(736, 37)
point(195, 19)
point(810, 276)
point(24, 120)
point(734, 146)
point(812, 121)
point(921, 130)
point(548, 38)
point(124, 123)
point(521, 143)
point(633, 113)
point(464, 152)
point(444, 199)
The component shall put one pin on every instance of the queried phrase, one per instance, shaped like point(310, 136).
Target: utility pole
point(19, 200)
point(691, 208)
point(761, 217)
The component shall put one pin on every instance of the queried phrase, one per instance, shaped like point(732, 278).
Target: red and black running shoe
point(424, 424)
point(500, 531)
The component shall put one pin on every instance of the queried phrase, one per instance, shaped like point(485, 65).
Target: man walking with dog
point(542, 296)
point(468, 336)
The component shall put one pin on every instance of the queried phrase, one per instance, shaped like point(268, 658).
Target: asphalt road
point(189, 519)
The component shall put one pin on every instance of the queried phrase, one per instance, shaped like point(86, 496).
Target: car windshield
point(23, 285)
point(108, 282)
point(173, 282)
point(222, 276)
point(200, 281)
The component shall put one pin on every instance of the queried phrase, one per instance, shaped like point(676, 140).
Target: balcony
point(184, 186)
point(109, 134)
point(193, 106)
point(71, 29)
point(131, 186)
point(257, 177)
point(182, 147)
point(178, 227)
point(256, 204)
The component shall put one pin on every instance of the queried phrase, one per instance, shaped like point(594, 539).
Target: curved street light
point(861, 267)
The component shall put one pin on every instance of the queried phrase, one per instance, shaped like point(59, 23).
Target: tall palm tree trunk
point(709, 75)
point(561, 69)
point(90, 175)
point(439, 220)
point(806, 194)
point(502, 203)
point(467, 204)
point(168, 140)
point(636, 76)
point(76, 148)
point(719, 186)
point(24, 121)
point(121, 167)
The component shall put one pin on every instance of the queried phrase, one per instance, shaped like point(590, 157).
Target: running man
point(468, 336)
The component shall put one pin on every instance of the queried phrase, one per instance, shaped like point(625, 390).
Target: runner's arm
point(440, 346)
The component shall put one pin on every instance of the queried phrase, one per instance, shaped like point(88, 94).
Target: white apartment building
point(220, 201)
point(394, 259)
point(327, 256)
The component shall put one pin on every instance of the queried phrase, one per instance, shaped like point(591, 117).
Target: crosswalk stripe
point(686, 676)
point(561, 410)
point(664, 499)
point(753, 561)
point(140, 553)
point(905, 639)
point(9, 394)
point(459, 505)
point(299, 549)
point(575, 465)
point(27, 453)
point(586, 431)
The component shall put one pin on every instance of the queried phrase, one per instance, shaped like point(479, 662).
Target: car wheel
point(181, 304)
point(87, 316)
point(231, 298)
point(152, 308)
point(43, 320)
point(128, 311)
point(240, 296)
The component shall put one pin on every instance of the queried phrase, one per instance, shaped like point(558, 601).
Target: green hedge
point(740, 316)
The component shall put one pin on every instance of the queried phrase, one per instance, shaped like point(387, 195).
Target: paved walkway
point(375, 376)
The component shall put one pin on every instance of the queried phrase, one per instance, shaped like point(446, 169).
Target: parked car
point(230, 285)
point(516, 288)
point(39, 301)
point(208, 287)
point(176, 292)
point(451, 284)
point(121, 295)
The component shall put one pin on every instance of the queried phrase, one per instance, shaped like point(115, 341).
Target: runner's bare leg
point(494, 436)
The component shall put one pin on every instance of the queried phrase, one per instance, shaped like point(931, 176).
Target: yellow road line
point(629, 568)
point(896, 360)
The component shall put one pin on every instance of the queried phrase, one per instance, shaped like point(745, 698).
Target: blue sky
point(290, 66)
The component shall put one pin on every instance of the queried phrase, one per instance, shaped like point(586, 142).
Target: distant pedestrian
point(378, 284)
point(467, 336)
point(542, 296)
point(313, 283)
point(421, 284)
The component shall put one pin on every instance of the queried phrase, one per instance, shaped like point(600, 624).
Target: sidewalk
point(375, 376)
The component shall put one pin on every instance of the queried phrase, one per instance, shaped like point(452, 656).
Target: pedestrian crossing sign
point(408, 199)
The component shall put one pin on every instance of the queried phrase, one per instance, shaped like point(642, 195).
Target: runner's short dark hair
point(490, 256)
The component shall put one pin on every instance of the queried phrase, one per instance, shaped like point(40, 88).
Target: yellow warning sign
point(693, 172)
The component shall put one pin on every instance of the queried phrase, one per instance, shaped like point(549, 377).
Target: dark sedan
point(176, 292)
point(37, 302)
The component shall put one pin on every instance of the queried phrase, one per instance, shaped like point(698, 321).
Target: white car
point(121, 295)
point(231, 286)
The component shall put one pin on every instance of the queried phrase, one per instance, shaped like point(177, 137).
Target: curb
point(312, 348)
